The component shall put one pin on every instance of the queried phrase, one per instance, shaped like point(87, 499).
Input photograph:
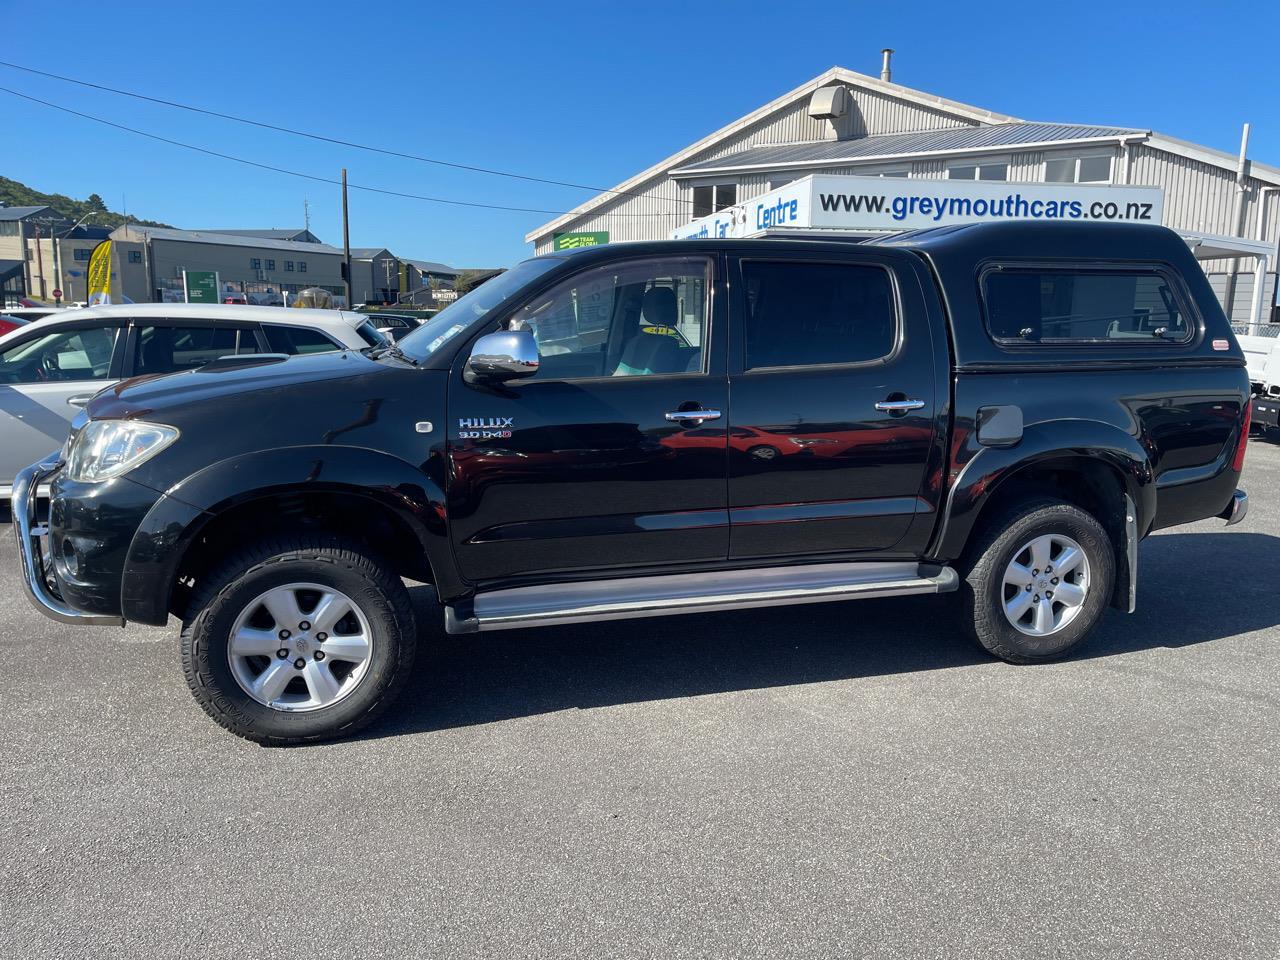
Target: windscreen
point(475, 306)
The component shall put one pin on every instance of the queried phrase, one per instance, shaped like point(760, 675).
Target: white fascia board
point(1215, 246)
point(976, 114)
point(1216, 158)
point(993, 149)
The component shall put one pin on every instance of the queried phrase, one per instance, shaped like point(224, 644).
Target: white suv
point(49, 368)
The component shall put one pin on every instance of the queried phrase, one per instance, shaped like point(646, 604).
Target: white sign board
point(890, 204)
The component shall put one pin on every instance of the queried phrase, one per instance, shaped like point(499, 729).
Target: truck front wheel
point(300, 639)
point(1038, 581)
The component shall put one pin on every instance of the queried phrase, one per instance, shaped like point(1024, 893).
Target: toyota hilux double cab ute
point(1001, 411)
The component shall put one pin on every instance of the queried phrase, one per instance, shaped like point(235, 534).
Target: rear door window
point(803, 314)
point(293, 340)
point(166, 349)
point(1027, 305)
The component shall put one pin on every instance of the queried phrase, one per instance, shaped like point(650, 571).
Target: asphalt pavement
point(843, 780)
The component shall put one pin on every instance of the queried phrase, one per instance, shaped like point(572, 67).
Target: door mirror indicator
point(502, 356)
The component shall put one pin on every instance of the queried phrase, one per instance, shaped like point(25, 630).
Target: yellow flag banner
point(100, 274)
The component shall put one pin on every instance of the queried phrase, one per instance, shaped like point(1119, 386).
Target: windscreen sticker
point(661, 331)
point(484, 428)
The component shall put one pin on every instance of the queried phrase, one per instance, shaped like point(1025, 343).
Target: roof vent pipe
point(886, 74)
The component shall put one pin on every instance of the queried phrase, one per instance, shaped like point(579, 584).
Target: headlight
point(108, 448)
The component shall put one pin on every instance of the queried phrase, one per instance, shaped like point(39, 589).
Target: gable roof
point(890, 145)
point(299, 234)
point(134, 232)
point(834, 75)
point(371, 253)
point(20, 213)
point(430, 266)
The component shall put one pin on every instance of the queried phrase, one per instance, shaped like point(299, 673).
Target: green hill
point(15, 194)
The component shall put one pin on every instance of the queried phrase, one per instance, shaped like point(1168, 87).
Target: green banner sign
point(572, 241)
point(200, 286)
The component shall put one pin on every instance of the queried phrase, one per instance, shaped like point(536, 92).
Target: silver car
point(51, 367)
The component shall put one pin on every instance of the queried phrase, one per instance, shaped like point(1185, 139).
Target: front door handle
point(699, 415)
point(898, 406)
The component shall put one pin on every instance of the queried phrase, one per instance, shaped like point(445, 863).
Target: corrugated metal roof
point(906, 144)
point(430, 266)
point(368, 253)
point(290, 233)
point(222, 239)
point(17, 213)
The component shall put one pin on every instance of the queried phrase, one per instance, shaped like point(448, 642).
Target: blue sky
point(590, 92)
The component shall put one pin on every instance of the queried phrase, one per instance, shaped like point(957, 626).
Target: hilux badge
point(484, 428)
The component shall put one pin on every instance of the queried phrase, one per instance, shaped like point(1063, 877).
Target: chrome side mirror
point(502, 356)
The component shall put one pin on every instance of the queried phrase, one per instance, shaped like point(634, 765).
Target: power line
point(320, 137)
point(297, 173)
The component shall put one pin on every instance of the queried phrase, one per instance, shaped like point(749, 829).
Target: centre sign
point(891, 204)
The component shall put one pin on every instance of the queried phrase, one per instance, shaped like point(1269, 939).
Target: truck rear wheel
point(1038, 581)
point(298, 639)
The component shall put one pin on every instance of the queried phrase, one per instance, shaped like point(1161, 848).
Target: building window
point(1096, 169)
point(83, 253)
point(288, 266)
point(135, 256)
point(302, 266)
point(978, 171)
point(896, 174)
point(712, 198)
point(271, 264)
point(255, 264)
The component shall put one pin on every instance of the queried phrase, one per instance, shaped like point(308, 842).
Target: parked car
point(235, 298)
point(31, 314)
point(10, 323)
point(395, 326)
point(51, 368)
point(1000, 410)
point(1262, 353)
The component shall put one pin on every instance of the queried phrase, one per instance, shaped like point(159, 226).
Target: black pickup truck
point(999, 410)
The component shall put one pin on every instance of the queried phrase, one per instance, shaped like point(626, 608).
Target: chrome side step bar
point(594, 600)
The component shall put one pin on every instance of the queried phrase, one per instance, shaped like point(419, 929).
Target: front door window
point(60, 355)
point(639, 318)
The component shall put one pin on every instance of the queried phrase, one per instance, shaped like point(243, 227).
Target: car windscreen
point(479, 303)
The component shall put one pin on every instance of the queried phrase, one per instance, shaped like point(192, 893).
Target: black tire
point(982, 583)
point(220, 597)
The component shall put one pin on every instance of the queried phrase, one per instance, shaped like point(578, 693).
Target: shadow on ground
point(1190, 592)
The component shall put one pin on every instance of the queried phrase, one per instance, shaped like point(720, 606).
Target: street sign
point(57, 294)
point(200, 286)
point(572, 241)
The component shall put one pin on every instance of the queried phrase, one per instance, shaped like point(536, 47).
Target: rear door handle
point(698, 415)
point(899, 406)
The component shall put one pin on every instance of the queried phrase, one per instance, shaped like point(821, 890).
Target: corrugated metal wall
point(1027, 166)
point(1200, 196)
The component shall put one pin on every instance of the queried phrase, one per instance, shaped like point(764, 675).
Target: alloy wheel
point(1045, 585)
point(299, 647)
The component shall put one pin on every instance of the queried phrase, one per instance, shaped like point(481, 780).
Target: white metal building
point(842, 122)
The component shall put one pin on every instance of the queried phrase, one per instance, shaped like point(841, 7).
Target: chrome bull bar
point(30, 554)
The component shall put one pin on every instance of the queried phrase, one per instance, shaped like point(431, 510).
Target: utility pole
point(346, 242)
point(40, 264)
point(386, 268)
point(306, 214)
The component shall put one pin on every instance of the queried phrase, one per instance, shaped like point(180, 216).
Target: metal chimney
point(886, 74)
